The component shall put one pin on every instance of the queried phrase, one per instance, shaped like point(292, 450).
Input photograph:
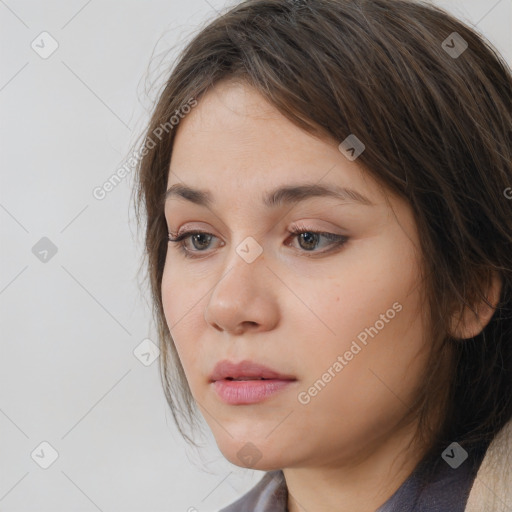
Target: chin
point(251, 455)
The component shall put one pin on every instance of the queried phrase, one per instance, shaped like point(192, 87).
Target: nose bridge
point(244, 268)
point(240, 296)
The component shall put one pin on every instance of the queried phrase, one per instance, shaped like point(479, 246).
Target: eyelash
point(337, 241)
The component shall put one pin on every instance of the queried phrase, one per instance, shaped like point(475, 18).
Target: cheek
point(182, 290)
point(181, 305)
point(381, 279)
point(373, 300)
point(342, 301)
point(376, 324)
point(170, 298)
point(354, 405)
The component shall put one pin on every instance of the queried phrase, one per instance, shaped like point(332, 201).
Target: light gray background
point(69, 325)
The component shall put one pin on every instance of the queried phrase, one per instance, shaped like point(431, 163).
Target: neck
point(364, 483)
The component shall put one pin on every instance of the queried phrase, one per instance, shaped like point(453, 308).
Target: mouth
point(247, 382)
point(246, 370)
point(247, 378)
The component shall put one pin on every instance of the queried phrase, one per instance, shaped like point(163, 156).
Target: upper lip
point(224, 369)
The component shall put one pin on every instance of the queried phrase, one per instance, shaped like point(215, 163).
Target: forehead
point(235, 140)
point(233, 121)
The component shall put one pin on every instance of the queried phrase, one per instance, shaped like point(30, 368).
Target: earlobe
point(473, 320)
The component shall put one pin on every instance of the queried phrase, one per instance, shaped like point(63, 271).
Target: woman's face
point(341, 316)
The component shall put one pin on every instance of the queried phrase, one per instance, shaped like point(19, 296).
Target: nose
point(244, 298)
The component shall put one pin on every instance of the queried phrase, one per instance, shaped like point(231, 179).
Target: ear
point(471, 321)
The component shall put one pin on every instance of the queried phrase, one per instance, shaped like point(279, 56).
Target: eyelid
point(337, 241)
point(189, 231)
point(299, 226)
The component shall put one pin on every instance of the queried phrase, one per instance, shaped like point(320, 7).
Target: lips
point(247, 382)
point(246, 370)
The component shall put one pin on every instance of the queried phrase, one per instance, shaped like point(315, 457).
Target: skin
point(293, 312)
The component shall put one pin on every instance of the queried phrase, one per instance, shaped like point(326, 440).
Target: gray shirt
point(447, 490)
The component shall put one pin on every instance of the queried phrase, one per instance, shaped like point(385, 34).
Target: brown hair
point(437, 130)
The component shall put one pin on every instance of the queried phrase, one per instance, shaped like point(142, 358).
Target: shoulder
point(268, 495)
point(492, 487)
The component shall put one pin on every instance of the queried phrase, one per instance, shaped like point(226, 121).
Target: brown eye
point(202, 239)
point(310, 240)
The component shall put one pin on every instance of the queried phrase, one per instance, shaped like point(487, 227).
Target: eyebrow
point(277, 197)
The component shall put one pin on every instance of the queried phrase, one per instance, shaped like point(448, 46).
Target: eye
point(201, 237)
point(308, 241)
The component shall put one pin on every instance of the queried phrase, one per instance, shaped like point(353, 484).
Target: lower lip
point(238, 392)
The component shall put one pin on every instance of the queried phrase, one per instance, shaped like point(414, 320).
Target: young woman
point(326, 189)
